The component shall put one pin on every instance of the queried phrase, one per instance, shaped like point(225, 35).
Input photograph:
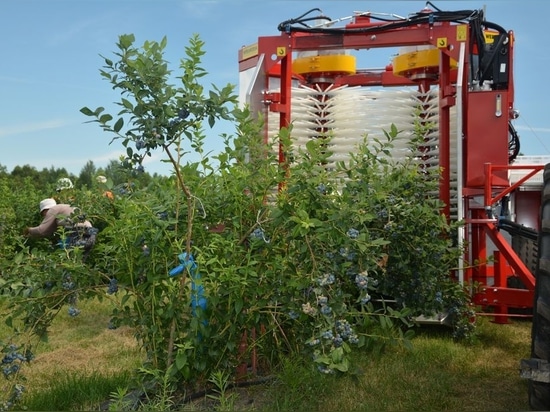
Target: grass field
point(84, 362)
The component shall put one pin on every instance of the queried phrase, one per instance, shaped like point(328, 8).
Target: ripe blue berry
point(73, 312)
point(183, 113)
point(140, 144)
point(113, 286)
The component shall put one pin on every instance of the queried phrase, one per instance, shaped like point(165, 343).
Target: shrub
point(305, 259)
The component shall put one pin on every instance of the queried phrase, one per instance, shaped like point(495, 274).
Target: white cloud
point(32, 127)
point(199, 9)
point(534, 129)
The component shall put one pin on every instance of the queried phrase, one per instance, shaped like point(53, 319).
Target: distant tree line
point(48, 177)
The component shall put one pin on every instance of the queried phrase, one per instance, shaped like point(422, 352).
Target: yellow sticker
point(281, 51)
point(441, 42)
point(250, 51)
point(461, 32)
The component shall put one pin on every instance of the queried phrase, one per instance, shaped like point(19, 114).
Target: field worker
point(53, 216)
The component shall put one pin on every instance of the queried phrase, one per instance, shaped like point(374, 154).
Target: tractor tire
point(539, 392)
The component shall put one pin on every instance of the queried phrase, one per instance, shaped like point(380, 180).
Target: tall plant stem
point(183, 279)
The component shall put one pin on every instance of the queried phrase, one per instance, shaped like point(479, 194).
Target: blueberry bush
point(239, 255)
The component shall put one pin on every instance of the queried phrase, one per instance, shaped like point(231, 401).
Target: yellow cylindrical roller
point(418, 62)
point(334, 63)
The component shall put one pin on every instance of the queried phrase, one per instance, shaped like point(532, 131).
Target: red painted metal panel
point(486, 137)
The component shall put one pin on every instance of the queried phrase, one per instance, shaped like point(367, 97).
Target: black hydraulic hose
point(418, 18)
point(287, 24)
point(495, 26)
point(513, 143)
point(516, 229)
point(430, 4)
point(477, 39)
point(503, 39)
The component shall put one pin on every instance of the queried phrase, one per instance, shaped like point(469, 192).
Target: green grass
point(81, 362)
point(436, 375)
point(78, 391)
point(84, 362)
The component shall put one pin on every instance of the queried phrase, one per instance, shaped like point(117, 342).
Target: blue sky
point(51, 60)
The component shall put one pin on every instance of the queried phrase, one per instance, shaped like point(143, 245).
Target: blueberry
point(140, 144)
point(73, 312)
point(113, 286)
point(183, 113)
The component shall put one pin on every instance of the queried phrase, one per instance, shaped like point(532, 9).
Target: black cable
point(502, 40)
point(516, 229)
point(429, 3)
point(418, 18)
point(513, 143)
point(286, 25)
point(477, 40)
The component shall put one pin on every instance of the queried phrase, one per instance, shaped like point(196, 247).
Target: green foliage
point(154, 114)
point(225, 399)
point(291, 258)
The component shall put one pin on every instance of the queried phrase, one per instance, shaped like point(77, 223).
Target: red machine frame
point(484, 162)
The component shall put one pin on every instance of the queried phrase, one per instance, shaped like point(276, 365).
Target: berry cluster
point(326, 279)
point(308, 309)
point(68, 283)
point(113, 286)
point(258, 233)
point(345, 331)
point(353, 233)
point(14, 398)
point(362, 281)
point(13, 358)
point(73, 311)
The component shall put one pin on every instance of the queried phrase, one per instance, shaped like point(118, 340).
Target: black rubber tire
point(539, 392)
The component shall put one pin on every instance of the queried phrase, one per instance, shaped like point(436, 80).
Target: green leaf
point(86, 111)
point(181, 360)
point(127, 104)
point(98, 111)
point(126, 40)
point(118, 125)
point(238, 306)
point(105, 118)
point(337, 355)
point(342, 366)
